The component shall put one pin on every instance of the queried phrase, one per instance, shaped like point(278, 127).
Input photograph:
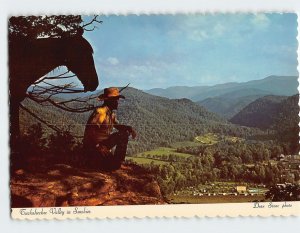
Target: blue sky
point(151, 51)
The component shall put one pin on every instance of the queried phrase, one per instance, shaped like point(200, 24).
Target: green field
point(207, 139)
point(161, 155)
point(211, 139)
point(158, 156)
point(143, 161)
point(163, 151)
point(212, 192)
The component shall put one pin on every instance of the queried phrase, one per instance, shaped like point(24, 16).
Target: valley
point(182, 165)
point(195, 155)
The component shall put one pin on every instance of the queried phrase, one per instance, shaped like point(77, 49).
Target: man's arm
point(127, 128)
point(97, 117)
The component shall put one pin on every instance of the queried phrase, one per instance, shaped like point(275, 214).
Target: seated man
point(98, 137)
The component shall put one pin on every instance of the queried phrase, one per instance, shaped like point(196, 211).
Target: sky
point(150, 51)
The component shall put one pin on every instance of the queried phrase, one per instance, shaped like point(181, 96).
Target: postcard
point(155, 115)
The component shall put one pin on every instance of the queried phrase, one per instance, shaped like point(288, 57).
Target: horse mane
point(67, 40)
point(82, 42)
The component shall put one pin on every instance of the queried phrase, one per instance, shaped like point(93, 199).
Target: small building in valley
point(241, 189)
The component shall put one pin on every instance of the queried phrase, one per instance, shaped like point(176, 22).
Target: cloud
point(200, 27)
point(113, 61)
point(198, 35)
point(261, 21)
point(219, 29)
point(145, 75)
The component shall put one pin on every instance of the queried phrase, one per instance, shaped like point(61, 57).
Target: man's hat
point(111, 93)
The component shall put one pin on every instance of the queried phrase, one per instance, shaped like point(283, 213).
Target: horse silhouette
point(29, 60)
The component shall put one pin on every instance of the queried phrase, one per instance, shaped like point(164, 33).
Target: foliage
point(61, 142)
point(276, 113)
point(242, 161)
point(286, 192)
point(270, 112)
point(44, 26)
point(58, 147)
point(33, 140)
point(286, 123)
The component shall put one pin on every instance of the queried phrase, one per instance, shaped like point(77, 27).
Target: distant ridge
point(229, 104)
point(274, 85)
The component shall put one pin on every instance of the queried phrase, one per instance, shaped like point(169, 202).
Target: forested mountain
point(231, 103)
point(158, 121)
point(274, 85)
point(161, 121)
point(265, 112)
point(55, 117)
point(287, 116)
point(287, 120)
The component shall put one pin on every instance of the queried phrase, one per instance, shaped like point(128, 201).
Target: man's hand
point(127, 128)
point(132, 132)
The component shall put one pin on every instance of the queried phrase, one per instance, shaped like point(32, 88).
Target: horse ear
point(80, 31)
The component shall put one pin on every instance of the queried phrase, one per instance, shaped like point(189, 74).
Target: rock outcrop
point(63, 185)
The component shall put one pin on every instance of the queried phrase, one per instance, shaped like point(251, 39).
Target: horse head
point(79, 60)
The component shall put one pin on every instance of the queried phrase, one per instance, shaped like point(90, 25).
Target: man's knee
point(123, 136)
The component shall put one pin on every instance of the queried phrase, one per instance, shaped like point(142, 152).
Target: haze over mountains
point(229, 98)
point(229, 104)
point(273, 85)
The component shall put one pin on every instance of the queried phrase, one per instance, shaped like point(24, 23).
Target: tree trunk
point(14, 129)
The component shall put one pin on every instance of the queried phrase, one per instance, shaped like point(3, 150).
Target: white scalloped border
point(121, 7)
point(169, 211)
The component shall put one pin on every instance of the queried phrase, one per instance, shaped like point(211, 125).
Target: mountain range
point(228, 99)
point(277, 113)
point(272, 85)
point(229, 104)
point(269, 112)
point(159, 121)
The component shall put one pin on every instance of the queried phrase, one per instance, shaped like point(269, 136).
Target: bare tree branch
point(89, 30)
point(94, 20)
point(123, 88)
point(45, 95)
point(59, 89)
point(60, 76)
point(63, 104)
